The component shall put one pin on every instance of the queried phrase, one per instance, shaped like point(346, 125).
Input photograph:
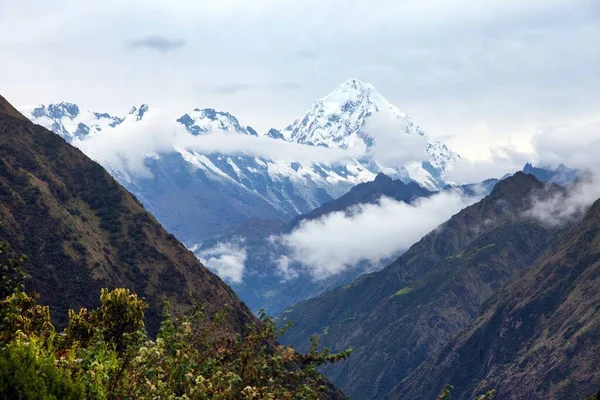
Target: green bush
point(25, 376)
point(106, 353)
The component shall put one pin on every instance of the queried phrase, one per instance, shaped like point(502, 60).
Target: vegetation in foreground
point(105, 353)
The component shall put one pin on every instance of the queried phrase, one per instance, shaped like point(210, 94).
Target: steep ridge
point(82, 231)
point(6, 109)
point(537, 338)
point(394, 319)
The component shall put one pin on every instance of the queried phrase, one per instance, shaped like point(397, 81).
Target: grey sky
point(473, 73)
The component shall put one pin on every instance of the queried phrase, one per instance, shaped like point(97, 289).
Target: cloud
point(365, 233)
point(507, 63)
point(576, 145)
point(125, 147)
point(159, 43)
point(393, 147)
point(566, 206)
point(285, 269)
point(234, 88)
point(502, 161)
point(226, 260)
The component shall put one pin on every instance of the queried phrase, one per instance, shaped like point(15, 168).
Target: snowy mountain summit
point(208, 120)
point(339, 120)
point(336, 120)
point(67, 120)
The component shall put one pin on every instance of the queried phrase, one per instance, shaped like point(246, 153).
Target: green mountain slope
point(82, 231)
point(396, 318)
point(537, 338)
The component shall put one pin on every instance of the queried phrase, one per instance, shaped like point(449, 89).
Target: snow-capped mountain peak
point(344, 118)
point(57, 111)
point(337, 119)
point(353, 94)
point(69, 121)
point(207, 120)
point(352, 88)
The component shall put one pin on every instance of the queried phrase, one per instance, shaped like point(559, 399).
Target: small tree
point(11, 281)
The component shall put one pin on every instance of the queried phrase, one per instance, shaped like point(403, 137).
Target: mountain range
point(228, 208)
point(264, 285)
point(180, 189)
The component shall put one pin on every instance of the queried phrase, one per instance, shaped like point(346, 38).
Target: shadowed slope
point(81, 231)
point(396, 318)
point(537, 338)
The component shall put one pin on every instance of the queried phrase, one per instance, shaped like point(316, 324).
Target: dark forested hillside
point(82, 231)
point(396, 318)
point(537, 338)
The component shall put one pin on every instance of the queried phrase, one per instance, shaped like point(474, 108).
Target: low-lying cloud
point(576, 146)
point(125, 147)
point(568, 205)
point(502, 161)
point(365, 233)
point(227, 260)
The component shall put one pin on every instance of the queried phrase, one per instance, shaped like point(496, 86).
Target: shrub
point(106, 352)
point(23, 375)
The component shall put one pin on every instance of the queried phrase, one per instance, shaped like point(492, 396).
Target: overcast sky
point(472, 73)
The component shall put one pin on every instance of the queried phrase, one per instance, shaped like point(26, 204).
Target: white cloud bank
point(575, 145)
point(570, 205)
point(367, 232)
point(126, 146)
point(226, 260)
point(502, 161)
